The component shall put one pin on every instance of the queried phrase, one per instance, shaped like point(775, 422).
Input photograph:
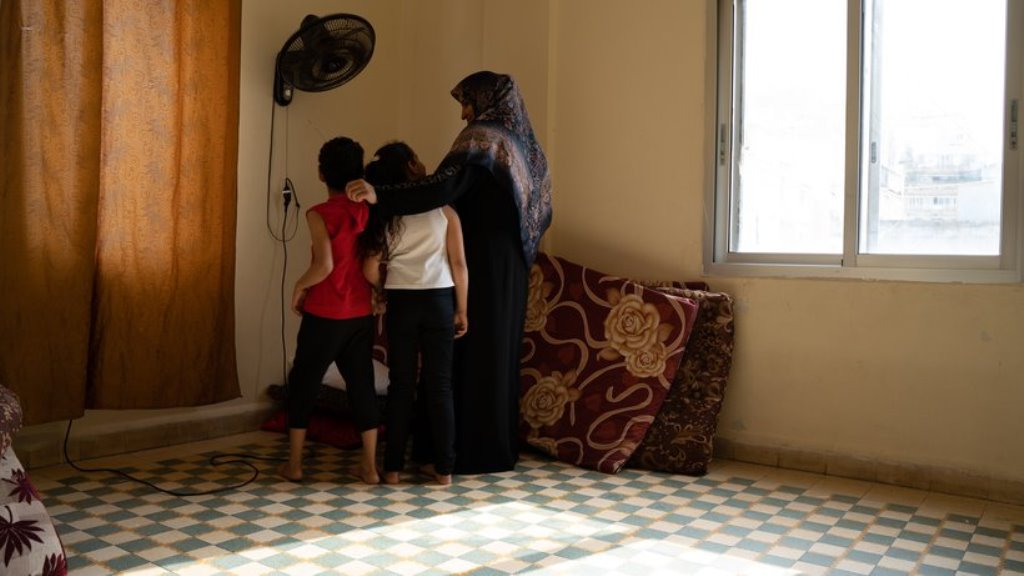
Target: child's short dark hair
point(341, 161)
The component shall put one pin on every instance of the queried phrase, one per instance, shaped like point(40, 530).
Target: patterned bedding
point(664, 421)
point(29, 544)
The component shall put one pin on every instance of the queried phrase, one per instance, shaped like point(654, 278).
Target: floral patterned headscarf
point(501, 139)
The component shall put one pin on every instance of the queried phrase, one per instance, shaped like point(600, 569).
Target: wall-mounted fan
point(324, 53)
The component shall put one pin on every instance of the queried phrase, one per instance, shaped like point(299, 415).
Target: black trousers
point(349, 344)
point(420, 327)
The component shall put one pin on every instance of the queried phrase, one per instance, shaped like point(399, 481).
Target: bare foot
point(368, 474)
point(391, 478)
point(286, 472)
point(443, 479)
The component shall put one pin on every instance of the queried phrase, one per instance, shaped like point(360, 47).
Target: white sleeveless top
point(418, 260)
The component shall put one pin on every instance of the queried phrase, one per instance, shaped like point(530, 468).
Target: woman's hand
point(361, 191)
point(461, 323)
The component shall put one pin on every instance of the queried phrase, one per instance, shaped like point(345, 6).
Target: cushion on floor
point(599, 356)
point(680, 439)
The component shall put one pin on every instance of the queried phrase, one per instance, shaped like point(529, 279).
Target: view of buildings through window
point(935, 116)
point(930, 127)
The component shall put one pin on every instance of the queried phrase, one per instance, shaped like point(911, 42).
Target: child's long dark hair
point(389, 166)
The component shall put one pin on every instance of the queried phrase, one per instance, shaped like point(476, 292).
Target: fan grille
point(326, 53)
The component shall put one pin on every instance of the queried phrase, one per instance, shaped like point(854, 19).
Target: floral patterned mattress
point(622, 373)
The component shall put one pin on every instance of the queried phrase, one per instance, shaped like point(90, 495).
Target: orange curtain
point(119, 125)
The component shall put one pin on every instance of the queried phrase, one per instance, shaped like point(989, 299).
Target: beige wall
point(628, 119)
point(445, 40)
point(926, 374)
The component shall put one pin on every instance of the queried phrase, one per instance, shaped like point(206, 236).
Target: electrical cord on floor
point(215, 460)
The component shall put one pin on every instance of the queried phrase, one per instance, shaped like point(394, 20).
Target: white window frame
point(721, 132)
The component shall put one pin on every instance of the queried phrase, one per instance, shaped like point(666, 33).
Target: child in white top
point(426, 289)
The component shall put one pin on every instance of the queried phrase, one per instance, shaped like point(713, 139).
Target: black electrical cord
point(215, 460)
point(285, 236)
point(288, 193)
point(284, 275)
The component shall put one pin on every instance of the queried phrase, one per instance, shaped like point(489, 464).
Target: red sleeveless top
point(345, 293)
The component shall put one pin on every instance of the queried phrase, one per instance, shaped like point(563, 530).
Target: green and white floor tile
point(544, 518)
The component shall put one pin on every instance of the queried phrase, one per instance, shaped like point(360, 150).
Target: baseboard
point(46, 448)
point(36, 451)
point(931, 478)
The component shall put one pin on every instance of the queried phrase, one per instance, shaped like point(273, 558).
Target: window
point(869, 139)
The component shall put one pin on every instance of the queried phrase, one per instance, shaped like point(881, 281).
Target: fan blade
point(290, 63)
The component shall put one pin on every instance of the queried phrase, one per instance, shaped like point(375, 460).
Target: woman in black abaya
point(496, 177)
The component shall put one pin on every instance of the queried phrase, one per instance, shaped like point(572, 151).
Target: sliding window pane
point(931, 163)
point(790, 100)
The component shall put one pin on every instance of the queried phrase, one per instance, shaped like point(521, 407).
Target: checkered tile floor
point(544, 518)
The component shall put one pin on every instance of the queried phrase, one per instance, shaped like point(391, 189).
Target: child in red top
point(334, 299)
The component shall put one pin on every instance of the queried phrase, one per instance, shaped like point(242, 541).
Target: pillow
point(380, 378)
point(332, 395)
point(10, 417)
point(599, 356)
point(333, 378)
point(680, 439)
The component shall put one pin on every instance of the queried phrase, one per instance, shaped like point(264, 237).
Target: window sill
point(818, 271)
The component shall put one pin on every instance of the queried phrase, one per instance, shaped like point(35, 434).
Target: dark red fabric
point(331, 429)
